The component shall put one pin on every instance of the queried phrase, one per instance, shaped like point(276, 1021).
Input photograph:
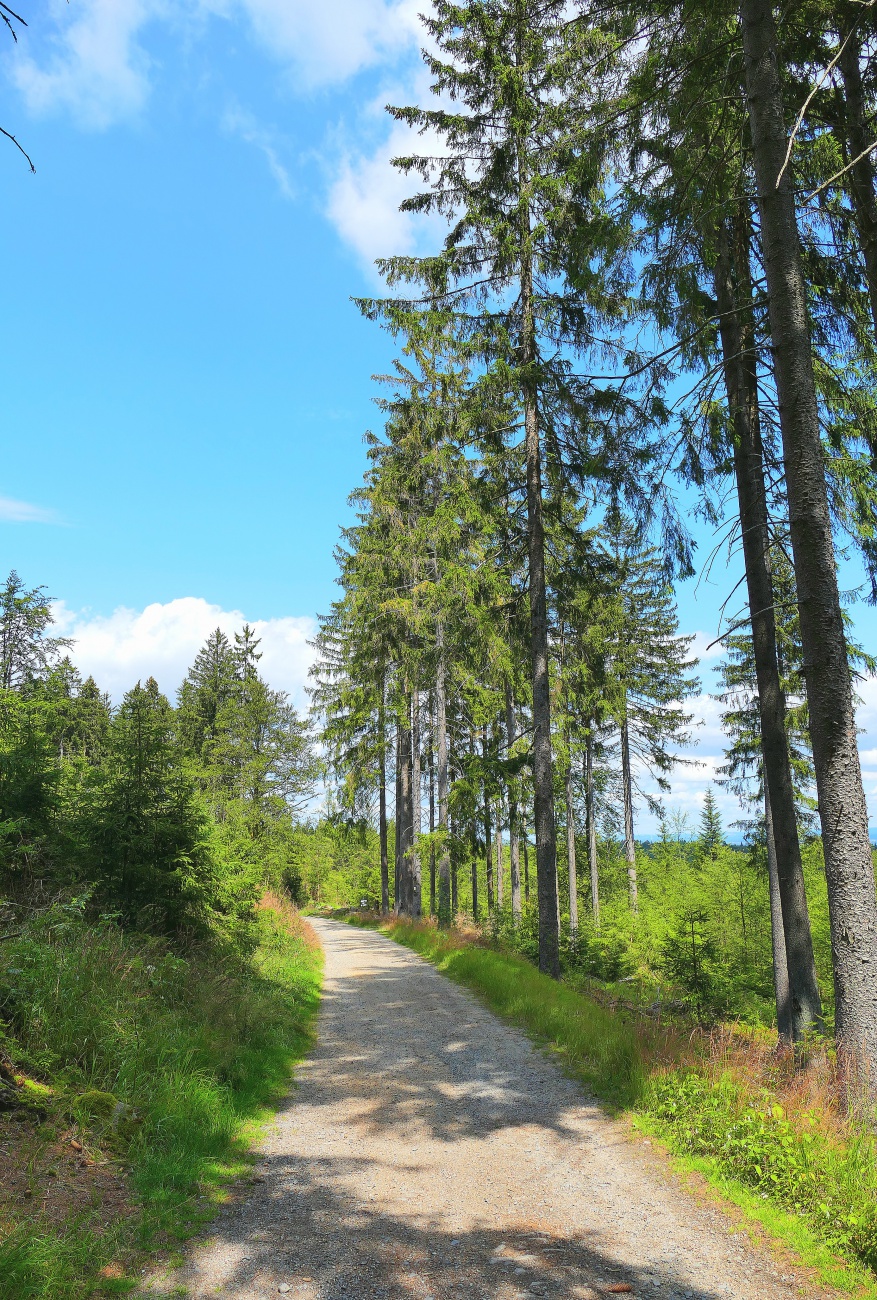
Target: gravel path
point(429, 1151)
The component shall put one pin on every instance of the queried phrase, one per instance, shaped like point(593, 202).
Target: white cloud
point(161, 641)
point(332, 41)
point(98, 67)
point(241, 123)
point(22, 512)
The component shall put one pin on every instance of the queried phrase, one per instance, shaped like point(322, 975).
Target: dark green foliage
point(711, 836)
point(149, 856)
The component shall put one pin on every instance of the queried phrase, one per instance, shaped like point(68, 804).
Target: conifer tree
point(516, 180)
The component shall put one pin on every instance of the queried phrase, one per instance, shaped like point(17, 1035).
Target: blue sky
point(186, 382)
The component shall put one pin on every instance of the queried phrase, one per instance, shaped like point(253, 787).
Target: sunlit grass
point(165, 1063)
point(775, 1140)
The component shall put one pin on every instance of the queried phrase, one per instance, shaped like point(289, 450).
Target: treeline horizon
point(168, 818)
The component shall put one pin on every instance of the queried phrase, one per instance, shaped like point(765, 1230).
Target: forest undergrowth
point(142, 1071)
point(782, 1143)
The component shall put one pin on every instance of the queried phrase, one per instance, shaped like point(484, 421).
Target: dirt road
point(430, 1151)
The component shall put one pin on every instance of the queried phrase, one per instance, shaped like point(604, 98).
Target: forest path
point(429, 1151)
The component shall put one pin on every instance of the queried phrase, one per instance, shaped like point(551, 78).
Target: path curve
point(430, 1152)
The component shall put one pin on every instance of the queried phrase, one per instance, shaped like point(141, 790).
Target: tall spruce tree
point(517, 177)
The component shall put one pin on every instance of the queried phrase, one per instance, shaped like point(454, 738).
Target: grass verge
point(772, 1140)
point(143, 1076)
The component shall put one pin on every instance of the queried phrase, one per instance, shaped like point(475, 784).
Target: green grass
point(167, 1064)
point(811, 1183)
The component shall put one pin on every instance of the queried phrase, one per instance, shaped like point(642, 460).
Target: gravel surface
point(429, 1151)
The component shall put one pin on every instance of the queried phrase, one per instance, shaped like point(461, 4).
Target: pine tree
point(711, 836)
point(517, 178)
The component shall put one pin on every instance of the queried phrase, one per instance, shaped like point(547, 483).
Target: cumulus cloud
point(161, 641)
point(328, 42)
point(22, 512)
point(97, 67)
point(97, 64)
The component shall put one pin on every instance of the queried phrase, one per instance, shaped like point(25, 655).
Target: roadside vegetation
point(139, 1071)
point(156, 985)
point(784, 1144)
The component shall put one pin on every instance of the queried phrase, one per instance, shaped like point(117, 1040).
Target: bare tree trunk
point(629, 841)
point(785, 1020)
point(571, 849)
point(455, 873)
point(526, 866)
point(861, 174)
point(405, 897)
point(499, 862)
point(431, 764)
point(415, 880)
point(741, 380)
point(474, 848)
point(514, 847)
point(543, 766)
point(382, 813)
point(842, 809)
point(488, 855)
point(399, 818)
point(593, 866)
point(444, 891)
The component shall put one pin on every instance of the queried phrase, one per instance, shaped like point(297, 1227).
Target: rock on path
point(430, 1151)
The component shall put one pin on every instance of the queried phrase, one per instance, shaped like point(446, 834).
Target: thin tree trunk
point(514, 846)
point(526, 865)
point(629, 841)
point(445, 910)
point(382, 812)
point(785, 1020)
point(405, 897)
point(431, 763)
point(488, 854)
point(571, 849)
point(842, 809)
point(741, 381)
point(543, 766)
point(862, 174)
point(499, 861)
point(414, 875)
point(398, 836)
point(455, 873)
point(474, 849)
point(593, 866)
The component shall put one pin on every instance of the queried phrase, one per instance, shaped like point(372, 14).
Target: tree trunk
point(543, 767)
point(455, 871)
point(514, 846)
point(431, 763)
point(444, 889)
point(526, 866)
point(785, 1019)
point(488, 855)
point(741, 381)
point(593, 866)
point(571, 849)
point(405, 897)
point(382, 814)
point(474, 847)
point(399, 817)
point(414, 873)
point(500, 883)
point(842, 809)
point(861, 175)
point(629, 841)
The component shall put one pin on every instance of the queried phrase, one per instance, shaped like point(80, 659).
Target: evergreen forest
point(640, 311)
